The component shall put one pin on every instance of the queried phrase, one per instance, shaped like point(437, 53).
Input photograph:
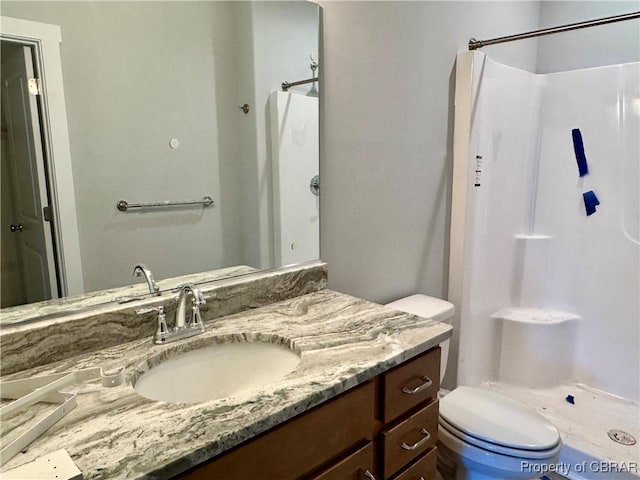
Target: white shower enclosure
point(295, 155)
point(521, 237)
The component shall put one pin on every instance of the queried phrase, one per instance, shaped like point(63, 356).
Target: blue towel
point(590, 202)
point(578, 148)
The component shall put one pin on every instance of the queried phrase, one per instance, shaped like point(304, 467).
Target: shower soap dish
point(47, 388)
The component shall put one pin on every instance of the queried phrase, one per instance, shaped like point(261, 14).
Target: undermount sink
point(216, 371)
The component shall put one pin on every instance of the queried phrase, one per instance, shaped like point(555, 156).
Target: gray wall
point(590, 47)
point(387, 129)
point(137, 74)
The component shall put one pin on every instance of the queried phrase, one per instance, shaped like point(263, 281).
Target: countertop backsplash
point(33, 344)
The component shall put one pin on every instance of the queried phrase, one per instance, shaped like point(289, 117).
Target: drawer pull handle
point(412, 391)
point(369, 475)
point(420, 442)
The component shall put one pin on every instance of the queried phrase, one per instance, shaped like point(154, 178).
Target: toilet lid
point(497, 419)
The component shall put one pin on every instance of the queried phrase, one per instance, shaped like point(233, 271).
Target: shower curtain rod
point(475, 44)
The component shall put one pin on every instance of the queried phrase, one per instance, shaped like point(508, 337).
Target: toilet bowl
point(484, 435)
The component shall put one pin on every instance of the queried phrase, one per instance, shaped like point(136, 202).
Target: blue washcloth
point(590, 202)
point(578, 148)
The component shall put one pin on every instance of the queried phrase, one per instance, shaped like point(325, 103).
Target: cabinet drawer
point(409, 439)
point(410, 384)
point(350, 468)
point(423, 469)
point(293, 449)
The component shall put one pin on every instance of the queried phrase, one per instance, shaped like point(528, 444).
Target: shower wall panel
point(594, 262)
point(500, 182)
point(294, 154)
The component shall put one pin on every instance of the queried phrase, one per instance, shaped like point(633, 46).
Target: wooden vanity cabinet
point(353, 467)
point(410, 415)
point(384, 429)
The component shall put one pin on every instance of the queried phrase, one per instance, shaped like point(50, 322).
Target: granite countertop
point(116, 433)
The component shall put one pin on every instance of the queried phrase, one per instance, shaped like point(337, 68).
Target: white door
point(26, 167)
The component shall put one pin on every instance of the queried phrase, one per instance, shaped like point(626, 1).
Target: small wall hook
point(244, 108)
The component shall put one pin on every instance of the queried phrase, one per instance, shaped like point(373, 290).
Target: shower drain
point(619, 436)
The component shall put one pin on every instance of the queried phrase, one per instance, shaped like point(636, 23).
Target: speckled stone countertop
point(117, 434)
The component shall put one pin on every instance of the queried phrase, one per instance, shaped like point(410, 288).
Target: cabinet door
point(351, 468)
point(293, 449)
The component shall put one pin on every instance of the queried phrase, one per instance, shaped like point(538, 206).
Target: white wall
point(386, 117)
point(590, 47)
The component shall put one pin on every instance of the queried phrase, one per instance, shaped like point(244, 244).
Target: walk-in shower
point(545, 248)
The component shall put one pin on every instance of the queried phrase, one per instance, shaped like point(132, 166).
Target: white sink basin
point(216, 371)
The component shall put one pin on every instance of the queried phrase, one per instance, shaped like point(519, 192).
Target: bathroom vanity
point(340, 414)
point(384, 428)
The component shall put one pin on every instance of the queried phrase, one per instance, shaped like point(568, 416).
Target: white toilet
point(484, 435)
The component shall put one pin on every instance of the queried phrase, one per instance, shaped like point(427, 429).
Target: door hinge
point(46, 212)
point(35, 87)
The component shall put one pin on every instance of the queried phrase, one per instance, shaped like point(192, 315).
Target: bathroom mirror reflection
point(164, 101)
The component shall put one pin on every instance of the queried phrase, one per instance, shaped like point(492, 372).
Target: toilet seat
point(521, 454)
point(480, 463)
point(497, 423)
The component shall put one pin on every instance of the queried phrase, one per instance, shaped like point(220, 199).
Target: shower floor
point(584, 426)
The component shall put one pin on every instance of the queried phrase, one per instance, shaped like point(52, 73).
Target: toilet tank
point(429, 307)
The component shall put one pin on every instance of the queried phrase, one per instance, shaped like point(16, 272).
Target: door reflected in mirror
point(162, 103)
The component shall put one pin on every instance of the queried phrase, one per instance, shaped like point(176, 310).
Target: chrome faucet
point(141, 269)
point(186, 323)
point(197, 300)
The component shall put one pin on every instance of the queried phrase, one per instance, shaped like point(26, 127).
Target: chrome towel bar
point(124, 206)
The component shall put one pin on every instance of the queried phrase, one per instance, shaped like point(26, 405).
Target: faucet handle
point(196, 318)
point(198, 297)
point(162, 329)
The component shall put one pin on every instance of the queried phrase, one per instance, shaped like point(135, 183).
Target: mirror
point(163, 102)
